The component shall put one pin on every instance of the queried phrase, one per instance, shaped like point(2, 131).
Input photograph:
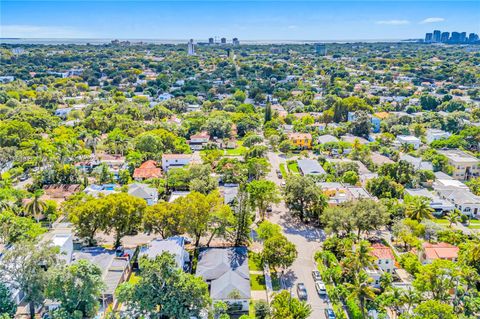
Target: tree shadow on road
point(288, 279)
point(294, 226)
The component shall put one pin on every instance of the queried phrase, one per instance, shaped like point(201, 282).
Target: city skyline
point(253, 20)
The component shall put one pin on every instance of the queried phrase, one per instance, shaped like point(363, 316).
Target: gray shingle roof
point(310, 167)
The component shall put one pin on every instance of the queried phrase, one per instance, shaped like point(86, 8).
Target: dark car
point(269, 209)
point(279, 174)
point(329, 314)
point(302, 291)
point(316, 275)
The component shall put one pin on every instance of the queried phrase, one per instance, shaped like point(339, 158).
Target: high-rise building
point(455, 38)
point(320, 48)
point(211, 41)
point(428, 37)
point(191, 47)
point(437, 36)
point(445, 37)
point(235, 41)
point(223, 40)
point(463, 37)
point(473, 37)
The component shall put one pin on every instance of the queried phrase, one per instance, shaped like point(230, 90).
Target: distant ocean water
point(58, 41)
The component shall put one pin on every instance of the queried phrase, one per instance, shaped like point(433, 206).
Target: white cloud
point(432, 20)
point(393, 22)
point(36, 31)
point(292, 27)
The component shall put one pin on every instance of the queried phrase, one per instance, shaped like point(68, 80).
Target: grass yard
point(238, 151)
point(257, 282)
point(283, 170)
point(441, 221)
point(474, 224)
point(254, 261)
point(293, 167)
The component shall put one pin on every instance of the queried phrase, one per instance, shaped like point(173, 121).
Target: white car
point(321, 289)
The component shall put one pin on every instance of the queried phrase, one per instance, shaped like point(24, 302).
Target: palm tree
point(363, 252)
point(418, 208)
point(362, 291)
point(409, 298)
point(453, 217)
point(35, 207)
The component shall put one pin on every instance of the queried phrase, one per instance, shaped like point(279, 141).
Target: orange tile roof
point(300, 136)
point(382, 115)
point(440, 251)
point(382, 252)
point(148, 169)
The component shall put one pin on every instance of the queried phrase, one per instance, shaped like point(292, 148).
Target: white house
point(198, 141)
point(149, 194)
point(465, 166)
point(175, 160)
point(173, 245)
point(435, 134)
point(409, 140)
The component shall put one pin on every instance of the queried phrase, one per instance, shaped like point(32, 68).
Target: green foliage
point(279, 252)
point(304, 198)
point(178, 294)
point(76, 287)
point(262, 193)
point(8, 308)
point(284, 306)
point(267, 230)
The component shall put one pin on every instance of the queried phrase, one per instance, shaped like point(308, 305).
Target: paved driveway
point(307, 239)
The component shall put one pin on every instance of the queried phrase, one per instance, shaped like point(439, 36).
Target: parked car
point(316, 275)
point(269, 209)
point(329, 314)
point(302, 291)
point(283, 184)
point(279, 174)
point(321, 289)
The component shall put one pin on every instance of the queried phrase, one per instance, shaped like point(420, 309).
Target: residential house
point(310, 167)
point(417, 162)
point(177, 194)
point(409, 140)
point(198, 141)
point(227, 274)
point(432, 251)
point(115, 269)
point(147, 170)
point(439, 205)
point(96, 190)
point(301, 140)
point(144, 191)
point(384, 257)
point(465, 166)
point(175, 160)
point(322, 139)
point(172, 245)
point(435, 135)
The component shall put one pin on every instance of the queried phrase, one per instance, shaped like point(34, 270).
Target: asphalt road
point(307, 239)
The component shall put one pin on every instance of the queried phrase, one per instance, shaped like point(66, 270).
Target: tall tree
point(284, 306)
point(362, 291)
point(243, 218)
point(262, 194)
point(418, 208)
point(164, 219)
point(77, 287)
point(164, 291)
point(124, 213)
point(35, 206)
point(23, 267)
point(304, 198)
point(279, 252)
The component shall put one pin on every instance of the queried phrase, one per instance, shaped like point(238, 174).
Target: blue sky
point(252, 20)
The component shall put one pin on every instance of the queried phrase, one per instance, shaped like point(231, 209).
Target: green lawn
point(293, 167)
point(474, 224)
point(254, 261)
point(257, 282)
point(283, 170)
point(442, 221)
point(238, 151)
